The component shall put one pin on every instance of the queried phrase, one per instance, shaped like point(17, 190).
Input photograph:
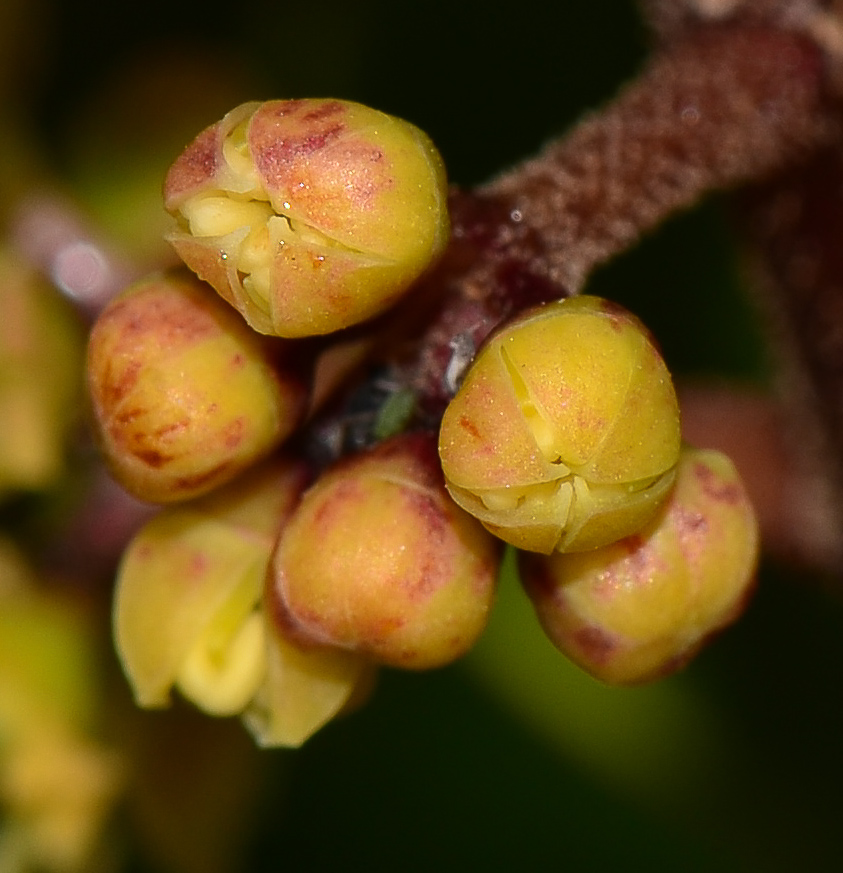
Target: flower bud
point(184, 394)
point(189, 614)
point(41, 352)
point(640, 608)
point(565, 432)
point(308, 215)
point(58, 781)
point(377, 559)
point(188, 590)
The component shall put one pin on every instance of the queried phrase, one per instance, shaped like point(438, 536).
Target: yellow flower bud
point(58, 781)
point(565, 432)
point(640, 608)
point(308, 215)
point(184, 394)
point(378, 560)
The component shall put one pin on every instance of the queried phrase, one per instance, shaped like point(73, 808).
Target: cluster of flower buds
point(564, 440)
point(276, 582)
point(190, 613)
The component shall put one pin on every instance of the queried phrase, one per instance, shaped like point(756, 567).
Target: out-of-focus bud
point(308, 215)
point(189, 613)
point(377, 559)
point(58, 781)
point(565, 433)
point(640, 608)
point(41, 354)
point(185, 395)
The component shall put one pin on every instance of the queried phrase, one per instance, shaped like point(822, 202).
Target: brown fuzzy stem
point(726, 105)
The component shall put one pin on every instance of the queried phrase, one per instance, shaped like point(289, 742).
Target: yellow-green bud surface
point(308, 215)
point(377, 559)
point(640, 608)
point(184, 394)
point(188, 587)
point(565, 432)
point(59, 780)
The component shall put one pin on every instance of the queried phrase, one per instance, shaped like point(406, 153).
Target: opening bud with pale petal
point(564, 434)
point(184, 394)
point(308, 215)
point(377, 559)
point(189, 613)
point(640, 608)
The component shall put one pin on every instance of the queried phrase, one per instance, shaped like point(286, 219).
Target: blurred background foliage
point(511, 759)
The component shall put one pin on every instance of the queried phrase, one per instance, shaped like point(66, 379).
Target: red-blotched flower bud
point(308, 215)
point(640, 608)
point(184, 394)
point(378, 559)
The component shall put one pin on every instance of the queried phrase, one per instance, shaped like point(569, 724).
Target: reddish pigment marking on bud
point(197, 164)
point(143, 552)
point(166, 320)
point(189, 483)
point(198, 565)
point(152, 457)
point(114, 390)
point(174, 427)
point(617, 316)
point(595, 644)
point(689, 522)
point(127, 416)
point(347, 489)
point(433, 569)
point(325, 110)
point(273, 155)
point(725, 492)
point(233, 433)
point(469, 426)
point(632, 543)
